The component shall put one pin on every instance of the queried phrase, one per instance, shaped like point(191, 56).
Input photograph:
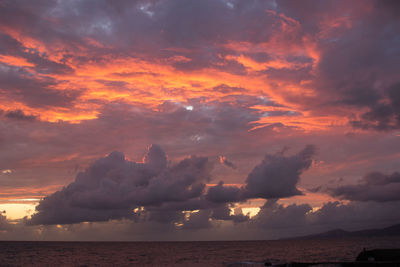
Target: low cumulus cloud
point(4, 223)
point(222, 193)
point(274, 220)
point(157, 190)
point(198, 220)
point(374, 186)
point(223, 212)
point(172, 196)
point(112, 187)
point(275, 177)
point(275, 215)
point(299, 219)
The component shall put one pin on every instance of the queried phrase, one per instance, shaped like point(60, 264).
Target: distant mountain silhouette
point(393, 230)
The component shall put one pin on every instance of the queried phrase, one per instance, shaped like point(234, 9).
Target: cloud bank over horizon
point(174, 198)
point(155, 189)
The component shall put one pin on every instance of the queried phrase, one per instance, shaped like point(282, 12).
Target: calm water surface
point(219, 253)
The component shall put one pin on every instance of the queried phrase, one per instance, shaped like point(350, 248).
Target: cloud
point(40, 61)
point(374, 186)
point(281, 66)
point(19, 115)
point(275, 177)
point(275, 220)
point(165, 216)
point(356, 214)
point(336, 69)
point(4, 223)
point(383, 115)
point(222, 193)
point(112, 187)
point(204, 218)
point(223, 160)
point(198, 220)
point(223, 212)
point(154, 26)
point(295, 219)
point(34, 91)
point(52, 150)
point(157, 190)
point(356, 68)
point(274, 215)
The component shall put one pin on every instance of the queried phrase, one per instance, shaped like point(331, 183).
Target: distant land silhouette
point(393, 230)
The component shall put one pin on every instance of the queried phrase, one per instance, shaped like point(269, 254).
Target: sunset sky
point(198, 119)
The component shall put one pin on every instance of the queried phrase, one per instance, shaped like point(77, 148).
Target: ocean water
point(219, 253)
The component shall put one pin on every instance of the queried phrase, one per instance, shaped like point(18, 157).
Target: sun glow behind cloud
point(150, 81)
point(18, 209)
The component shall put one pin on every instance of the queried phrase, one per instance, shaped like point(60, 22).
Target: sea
point(202, 253)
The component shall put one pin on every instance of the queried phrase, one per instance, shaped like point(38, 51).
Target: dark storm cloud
point(121, 127)
point(359, 47)
point(300, 219)
point(18, 115)
point(10, 46)
point(223, 212)
point(52, 22)
point(43, 65)
point(203, 218)
point(222, 193)
point(155, 190)
point(356, 48)
point(274, 215)
point(164, 215)
point(275, 177)
point(355, 214)
point(383, 115)
point(46, 66)
point(357, 44)
point(374, 186)
point(32, 90)
point(274, 221)
point(212, 20)
point(4, 223)
point(198, 220)
point(155, 29)
point(112, 187)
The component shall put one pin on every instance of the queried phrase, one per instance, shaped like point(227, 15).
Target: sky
point(198, 120)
